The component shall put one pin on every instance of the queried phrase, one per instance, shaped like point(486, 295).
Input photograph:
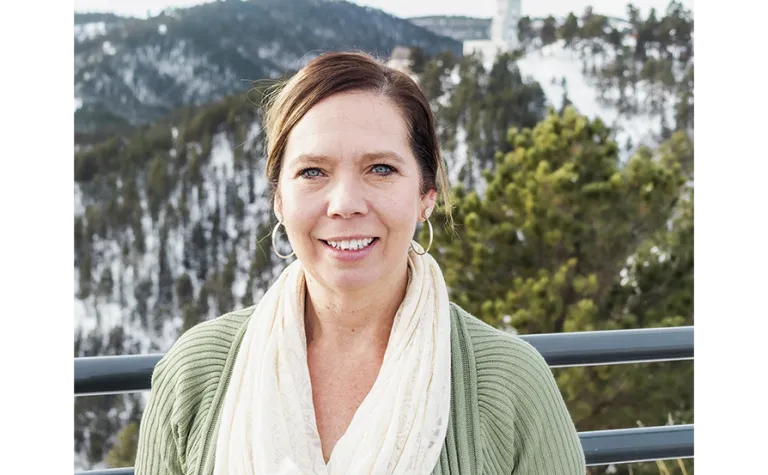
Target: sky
point(409, 8)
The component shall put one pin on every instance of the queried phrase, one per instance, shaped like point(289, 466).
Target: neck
point(360, 319)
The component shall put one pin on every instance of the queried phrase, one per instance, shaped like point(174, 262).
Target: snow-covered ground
point(88, 31)
point(118, 309)
point(556, 61)
point(78, 103)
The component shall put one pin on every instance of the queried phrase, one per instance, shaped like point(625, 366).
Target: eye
point(310, 173)
point(383, 169)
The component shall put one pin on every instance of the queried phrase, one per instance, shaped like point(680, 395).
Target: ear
point(428, 200)
point(278, 207)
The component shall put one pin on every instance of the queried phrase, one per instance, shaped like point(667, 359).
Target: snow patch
point(108, 48)
point(89, 31)
point(558, 62)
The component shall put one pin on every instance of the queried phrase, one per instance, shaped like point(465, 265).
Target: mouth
point(352, 245)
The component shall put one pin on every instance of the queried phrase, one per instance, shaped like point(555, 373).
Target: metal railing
point(121, 374)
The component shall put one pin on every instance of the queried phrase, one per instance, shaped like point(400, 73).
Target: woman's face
point(349, 193)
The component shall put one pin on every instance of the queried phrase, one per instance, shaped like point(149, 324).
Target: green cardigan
point(507, 414)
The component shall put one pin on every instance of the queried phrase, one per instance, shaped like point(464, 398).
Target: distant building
point(504, 23)
point(400, 59)
point(502, 36)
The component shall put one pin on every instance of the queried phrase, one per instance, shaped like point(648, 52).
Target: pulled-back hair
point(334, 73)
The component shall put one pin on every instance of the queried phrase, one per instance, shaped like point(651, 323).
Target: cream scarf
point(267, 422)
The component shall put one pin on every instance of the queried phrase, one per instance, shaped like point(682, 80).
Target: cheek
point(399, 212)
point(298, 212)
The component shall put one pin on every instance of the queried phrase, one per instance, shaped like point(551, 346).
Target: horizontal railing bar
point(643, 345)
point(602, 447)
point(131, 373)
point(114, 374)
point(619, 446)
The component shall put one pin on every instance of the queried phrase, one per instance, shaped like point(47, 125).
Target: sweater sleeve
point(158, 452)
point(545, 438)
point(172, 434)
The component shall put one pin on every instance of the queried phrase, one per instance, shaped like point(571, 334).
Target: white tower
point(504, 24)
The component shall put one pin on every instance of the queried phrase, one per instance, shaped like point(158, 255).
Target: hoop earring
point(274, 243)
point(430, 239)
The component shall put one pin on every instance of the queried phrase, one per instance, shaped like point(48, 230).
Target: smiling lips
point(350, 249)
point(350, 244)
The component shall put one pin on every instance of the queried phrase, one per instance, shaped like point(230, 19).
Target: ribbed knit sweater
point(507, 414)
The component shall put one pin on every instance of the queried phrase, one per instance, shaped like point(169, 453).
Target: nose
point(347, 197)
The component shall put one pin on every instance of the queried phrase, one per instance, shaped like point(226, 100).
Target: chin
point(350, 280)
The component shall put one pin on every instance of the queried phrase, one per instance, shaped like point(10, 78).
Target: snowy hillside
point(558, 69)
point(133, 71)
point(120, 307)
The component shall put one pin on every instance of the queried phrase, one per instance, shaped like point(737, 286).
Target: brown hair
point(334, 73)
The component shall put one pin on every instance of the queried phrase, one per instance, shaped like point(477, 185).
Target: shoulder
point(511, 376)
point(522, 410)
point(502, 355)
point(184, 383)
point(200, 354)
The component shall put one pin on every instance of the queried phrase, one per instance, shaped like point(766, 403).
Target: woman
point(354, 362)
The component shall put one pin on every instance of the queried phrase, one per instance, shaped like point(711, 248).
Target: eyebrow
point(315, 159)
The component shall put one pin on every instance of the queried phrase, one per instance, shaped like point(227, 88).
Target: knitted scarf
point(267, 422)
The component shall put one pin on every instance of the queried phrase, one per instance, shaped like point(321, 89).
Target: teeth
point(353, 244)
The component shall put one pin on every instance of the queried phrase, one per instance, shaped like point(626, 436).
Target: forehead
point(347, 125)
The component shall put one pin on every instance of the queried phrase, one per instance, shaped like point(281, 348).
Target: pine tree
point(546, 250)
